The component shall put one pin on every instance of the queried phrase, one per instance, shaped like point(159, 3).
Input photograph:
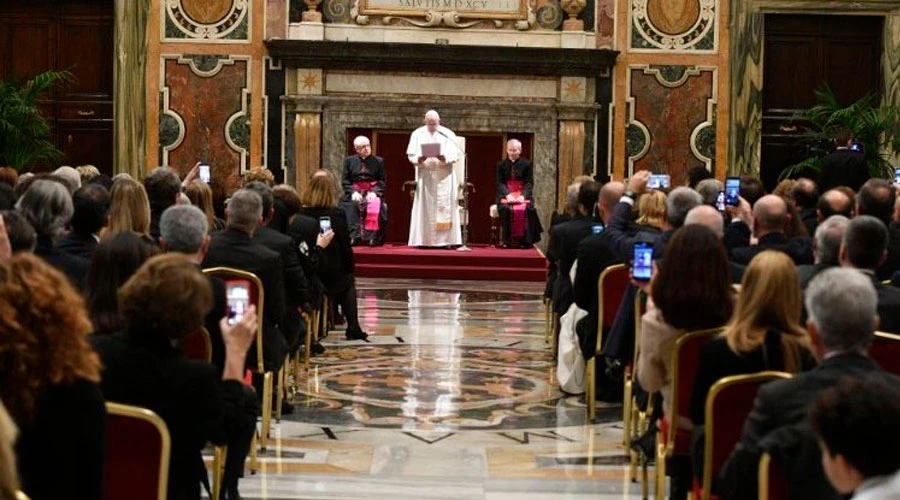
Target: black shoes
point(231, 494)
point(317, 349)
point(356, 334)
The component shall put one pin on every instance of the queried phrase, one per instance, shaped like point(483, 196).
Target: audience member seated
point(91, 212)
point(752, 189)
point(764, 334)
point(842, 306)
point(8, 176)
point(48, 382)
point(864, 248)
point(234, 247)
point(709, 190)
point(855, 423)
point(20, 233)
point(129, 209)
point(116, 259)
point(163, 188)
point(876, 198)
point(7, 197)
point(705, 215)
point(826, 248)
point(515, 200)
point(770, 218)
point(794, 226)
point(163, 302)
point(806, 196)
point(23, 183)
point(696, 175)
point(835, 202)
point(69, 177)
point(47, 205)
point(651, 212)
point(557, 218)
point(184, 229)
point(287, 204)
point(87, 173)
point(690, 291)
point(258, 174)
point(595, 254)
point(362, 180)
point(295, 283)
point(335, 262)
point(201, 196)
point(563, 248)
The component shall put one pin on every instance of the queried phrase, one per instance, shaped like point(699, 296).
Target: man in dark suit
point(515, 200)
point(91, 204)
point(295, 283)
point(363, 182)
point(163, 187)
point(834, 202)
point(234, 247)
point(826, 248)
point(557, 218)
point(842, 306)
point(844, 167)
point(564, 240)
point(183, 229)
point(806, 196)
point(864, 248)
point(769, 219)
point(876, 198)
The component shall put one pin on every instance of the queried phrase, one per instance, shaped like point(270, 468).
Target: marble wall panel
point(208, 103)
point(670, 103)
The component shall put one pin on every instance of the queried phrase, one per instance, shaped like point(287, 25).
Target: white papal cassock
point(435, 212)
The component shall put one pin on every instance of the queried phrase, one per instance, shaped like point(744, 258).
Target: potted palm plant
point(24, 132)
point(877, 127)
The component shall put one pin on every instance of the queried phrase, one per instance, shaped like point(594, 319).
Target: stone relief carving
point(207, 19)
point(674, 25)
point(432, 18)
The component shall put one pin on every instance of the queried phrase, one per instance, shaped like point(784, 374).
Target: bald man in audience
point(876, 198)
point(770, 217)
point(705, 215)
point(834, 202)
point(806, 196)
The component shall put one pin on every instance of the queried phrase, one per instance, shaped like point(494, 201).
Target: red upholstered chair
point(198, 346)
point(885, 350)
point(771, 479)
point(727, 406)
point(610, 288)
point(671, 440)
point(137, 454)
point(257, 298)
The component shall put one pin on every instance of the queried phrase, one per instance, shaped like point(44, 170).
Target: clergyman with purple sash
point(363, 200)
point(519, 222)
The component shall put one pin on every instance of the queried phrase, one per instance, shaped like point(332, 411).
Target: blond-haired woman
point(764, 333)
point(201, 196)
point(652, 210)
point(129, 208)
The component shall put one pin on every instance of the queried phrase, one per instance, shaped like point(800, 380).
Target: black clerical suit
point(843, 168)
point(368, 171)
point(295, 283)
point(521, 171)
point(230, 248)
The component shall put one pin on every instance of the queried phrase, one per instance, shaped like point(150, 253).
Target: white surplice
point(435, 212)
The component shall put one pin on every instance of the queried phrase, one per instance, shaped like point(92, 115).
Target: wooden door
point(802, 53)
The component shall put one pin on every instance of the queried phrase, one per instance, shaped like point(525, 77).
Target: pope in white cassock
point(435, 214)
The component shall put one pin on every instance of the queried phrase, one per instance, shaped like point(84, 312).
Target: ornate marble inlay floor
point(454, 397)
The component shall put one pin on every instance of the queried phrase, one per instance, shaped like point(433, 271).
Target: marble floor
point(455, 397)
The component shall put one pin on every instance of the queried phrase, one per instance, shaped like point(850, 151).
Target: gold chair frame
point(268, 376)
point(590, 370)
point(153, 419)
point(665, 449)
point(718, 387)
point(635, 419)
point(765, 462)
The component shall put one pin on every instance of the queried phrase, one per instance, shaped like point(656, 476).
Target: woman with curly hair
point(48, 381)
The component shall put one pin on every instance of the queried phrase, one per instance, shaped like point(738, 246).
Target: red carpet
point(482, 263)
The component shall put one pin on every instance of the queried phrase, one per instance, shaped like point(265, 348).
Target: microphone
point(443, 134)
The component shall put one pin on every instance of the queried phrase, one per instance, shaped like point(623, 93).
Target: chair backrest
point(771, 480)
point(727, 406)
point(137, 454)
point(640, 307)
point(885, 350)
point(610, 289)
point(257, 298)
point(685, 359)
point(198, 345)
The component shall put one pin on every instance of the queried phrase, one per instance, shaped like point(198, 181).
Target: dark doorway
point(483, 152)
point(802, 53)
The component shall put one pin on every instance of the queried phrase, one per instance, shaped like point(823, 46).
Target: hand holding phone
point(237, 293)
point(204, 173)
point(658, 181)
point(642, 265)
point(732, 191)
point(324, 224)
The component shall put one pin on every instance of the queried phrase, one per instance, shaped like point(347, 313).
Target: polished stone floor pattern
point(454, 397)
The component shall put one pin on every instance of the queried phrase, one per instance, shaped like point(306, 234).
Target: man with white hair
point(363, 182)
point(515, 200)
point(435, 215)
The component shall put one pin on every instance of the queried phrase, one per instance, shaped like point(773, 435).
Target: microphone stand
point(465, 189)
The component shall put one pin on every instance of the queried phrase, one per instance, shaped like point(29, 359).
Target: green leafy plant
point(24, 132)
point(878, 128)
